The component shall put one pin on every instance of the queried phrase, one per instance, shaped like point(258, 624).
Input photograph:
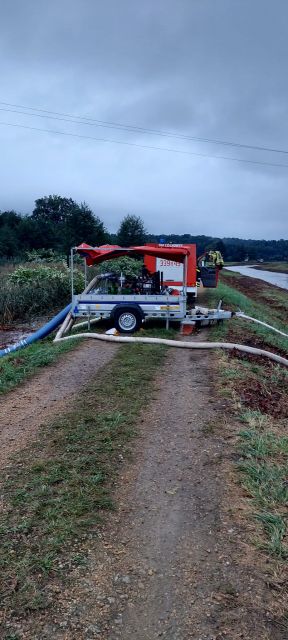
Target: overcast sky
point(212, 69)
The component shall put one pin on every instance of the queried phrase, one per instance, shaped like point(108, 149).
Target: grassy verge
point(18, 366)
point(281, 267)
point(235, 300)
point(258, 390)
point(55, 500)
point(265, 469)
point(270, 298)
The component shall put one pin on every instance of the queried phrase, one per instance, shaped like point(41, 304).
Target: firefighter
point(216, 259)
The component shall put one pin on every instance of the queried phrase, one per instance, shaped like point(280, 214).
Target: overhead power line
point(143, 146)
point(133, 128)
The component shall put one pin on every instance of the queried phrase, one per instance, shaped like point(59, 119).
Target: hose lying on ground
point(240, 314)
point(179, 345)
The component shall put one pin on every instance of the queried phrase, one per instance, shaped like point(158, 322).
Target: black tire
point(127, 319)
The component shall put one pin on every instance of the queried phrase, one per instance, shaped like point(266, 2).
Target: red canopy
point(95, 255)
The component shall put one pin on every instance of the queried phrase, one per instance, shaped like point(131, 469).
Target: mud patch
point(266, 392)
point(265, 396)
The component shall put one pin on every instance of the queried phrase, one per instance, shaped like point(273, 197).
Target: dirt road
point(170, 563)
point(45, 395)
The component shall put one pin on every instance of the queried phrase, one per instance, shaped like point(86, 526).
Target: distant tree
point(84, 226)
point(252, 253)
point(72, 223)
point(218, 245)
point(9, 234)
point(9, 245)
point(37, 234)
point(131, 231)
point(240, 253)
point(53, 209)
point(10, 219)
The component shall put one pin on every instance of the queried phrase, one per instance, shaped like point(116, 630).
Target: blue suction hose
point(38, 335)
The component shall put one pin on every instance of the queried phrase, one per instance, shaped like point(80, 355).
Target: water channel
point(276, 278)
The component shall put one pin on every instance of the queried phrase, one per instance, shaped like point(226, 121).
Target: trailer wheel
point(127, 319)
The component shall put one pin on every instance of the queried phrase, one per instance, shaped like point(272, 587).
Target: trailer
point(128, 302)
point(106, 296)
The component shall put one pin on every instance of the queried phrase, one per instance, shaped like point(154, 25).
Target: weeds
point(34, 290)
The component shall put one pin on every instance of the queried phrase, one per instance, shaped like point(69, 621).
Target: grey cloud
point(197, 67)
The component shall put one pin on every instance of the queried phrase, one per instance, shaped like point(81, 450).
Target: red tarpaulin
point(95, 255)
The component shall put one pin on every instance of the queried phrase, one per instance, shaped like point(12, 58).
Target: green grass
point(275, 529)
point(264, 470)
point(270, 298)
point(19, 366)
point(275, 295)
point(235, 300)
point(263, 443)
point(55, 500)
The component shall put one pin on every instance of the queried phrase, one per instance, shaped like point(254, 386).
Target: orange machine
point(172, 270)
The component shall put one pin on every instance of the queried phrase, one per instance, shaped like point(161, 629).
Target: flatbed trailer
point(129, 311)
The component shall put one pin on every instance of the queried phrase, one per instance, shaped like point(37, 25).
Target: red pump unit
point(172, 269)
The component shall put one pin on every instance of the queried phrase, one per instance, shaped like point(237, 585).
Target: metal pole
point(185, 269)
point(185, 273)
point(72, 271)
point(85, 272)
point(168, 312)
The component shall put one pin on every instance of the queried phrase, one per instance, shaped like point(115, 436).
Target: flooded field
point(12, 334)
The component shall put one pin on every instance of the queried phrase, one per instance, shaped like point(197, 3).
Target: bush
point(30, 291)
point(127, 266)
point(44, 255)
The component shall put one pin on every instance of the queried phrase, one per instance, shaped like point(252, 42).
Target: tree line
point(58, 223)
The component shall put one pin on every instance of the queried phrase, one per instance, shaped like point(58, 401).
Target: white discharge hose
point(69, 320)
point(178, 345)
point(84, 324)
point(240, 314)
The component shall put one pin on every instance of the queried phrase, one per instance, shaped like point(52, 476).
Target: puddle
point(11, 335)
